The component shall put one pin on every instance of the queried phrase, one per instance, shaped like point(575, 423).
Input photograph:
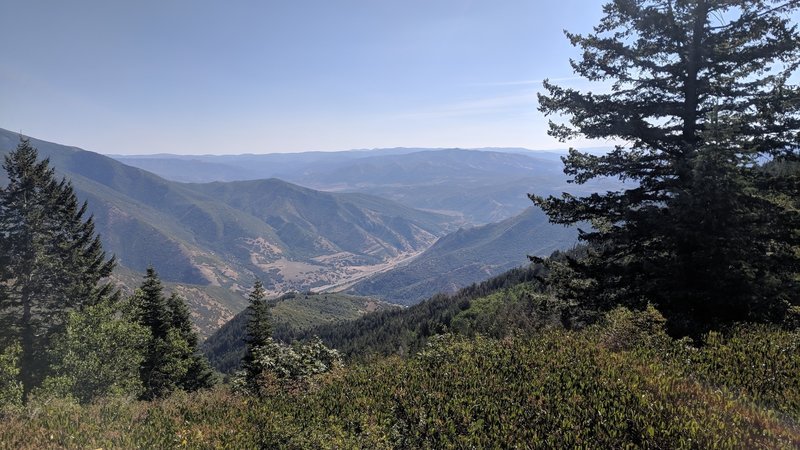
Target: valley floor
point(354, 274)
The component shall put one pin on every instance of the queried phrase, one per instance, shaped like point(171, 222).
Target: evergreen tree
point(259, 328)
point(701, 95)
point(162, 365)
point(171, 360)
point(52, 259)
point(153, 311)
point(199, 374)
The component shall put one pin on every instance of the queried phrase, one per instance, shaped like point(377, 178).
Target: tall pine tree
point(700, 92)
point(53, 261)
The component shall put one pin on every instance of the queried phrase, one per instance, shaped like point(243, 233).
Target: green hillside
point(622, 384)
point(497, 306)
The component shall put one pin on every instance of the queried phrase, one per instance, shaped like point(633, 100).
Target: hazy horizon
point(199, 77)
point(365, 150)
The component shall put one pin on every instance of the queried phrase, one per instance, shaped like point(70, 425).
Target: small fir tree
point(259, 328)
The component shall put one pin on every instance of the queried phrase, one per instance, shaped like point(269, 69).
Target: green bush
point(758, 362)
point(278, 363)
point(10, 385)
point(624, 329)
point(97, 354)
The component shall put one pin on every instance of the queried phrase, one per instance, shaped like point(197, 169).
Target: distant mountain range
point(479, 186)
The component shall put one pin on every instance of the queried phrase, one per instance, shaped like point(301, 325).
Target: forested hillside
point(291, 315)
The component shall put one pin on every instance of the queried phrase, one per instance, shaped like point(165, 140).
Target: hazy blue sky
point(189, 76)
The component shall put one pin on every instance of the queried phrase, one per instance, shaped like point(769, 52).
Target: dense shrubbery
point(554, 389)
point(755, 362)
point(98, 354)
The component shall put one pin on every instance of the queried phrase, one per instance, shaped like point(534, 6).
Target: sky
point(263, 76)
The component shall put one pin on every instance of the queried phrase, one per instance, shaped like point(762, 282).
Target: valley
point(374, 219)
point(211, 241)
point(469, 256)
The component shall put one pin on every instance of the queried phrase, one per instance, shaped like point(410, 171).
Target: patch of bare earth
point(208, 313)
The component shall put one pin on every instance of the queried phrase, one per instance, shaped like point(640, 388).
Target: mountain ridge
point(195, 238)
point(479, 185)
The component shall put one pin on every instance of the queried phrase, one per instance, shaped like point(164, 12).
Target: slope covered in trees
point(498, 306)
point(289, 315)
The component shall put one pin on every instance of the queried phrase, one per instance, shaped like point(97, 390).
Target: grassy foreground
point(610, 387)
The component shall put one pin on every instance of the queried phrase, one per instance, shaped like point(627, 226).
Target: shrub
point(275, 362)
point(97, 354)
point(10, 385)
point(554, 389)
point(623, 329)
